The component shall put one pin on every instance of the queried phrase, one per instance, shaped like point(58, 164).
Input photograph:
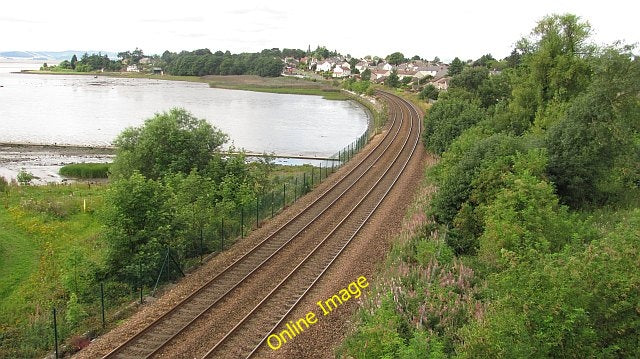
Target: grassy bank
point(281, 85)
point(47, 235)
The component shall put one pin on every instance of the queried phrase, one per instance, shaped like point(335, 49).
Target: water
point(88, 111)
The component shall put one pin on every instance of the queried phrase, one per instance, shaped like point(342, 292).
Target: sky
point(463, 28)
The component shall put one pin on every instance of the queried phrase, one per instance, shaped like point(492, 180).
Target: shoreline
point(32, 147)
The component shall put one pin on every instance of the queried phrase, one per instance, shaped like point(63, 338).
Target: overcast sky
point(447, 29)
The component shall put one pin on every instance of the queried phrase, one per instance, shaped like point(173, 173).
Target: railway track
point(309, 242)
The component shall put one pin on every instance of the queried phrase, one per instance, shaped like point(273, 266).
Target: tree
point(395, 58)
point(64, 64)
point(513, 60)
point(366, 75)
point(470, 78)
point(485, 61)
point(447, 119)
point(169, 142)
point(415, 58)
point(429, 92)
point(267, 66)
point(456, 67)
point(74, 60)
point(436, 60)
point(393, 80)
point(138, 225)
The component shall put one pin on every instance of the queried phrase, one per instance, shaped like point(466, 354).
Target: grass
point(280, 85)
point(86, 170)
point(41, 229)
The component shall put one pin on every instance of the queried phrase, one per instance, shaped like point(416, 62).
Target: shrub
point(25, 178)
point(447, 119)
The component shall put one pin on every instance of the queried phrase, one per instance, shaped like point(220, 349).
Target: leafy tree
point(393, 80)
point(447, 119)
point(415, 58)
point(429, 92)
point(525, 220)
point(138, 225)
point(268, 66)
point(366, 75)
point(485, 61)
point(64, 64)
point(395, 58)
point(455, 67)
point(513, 60)
point(169, 142)
point(436, 60)
point(74, 60)
point(471, 78)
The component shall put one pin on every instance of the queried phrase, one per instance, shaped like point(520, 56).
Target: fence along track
point(275, 307)
point(162, 330)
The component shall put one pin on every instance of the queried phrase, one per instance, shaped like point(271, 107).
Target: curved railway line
point(246, 301)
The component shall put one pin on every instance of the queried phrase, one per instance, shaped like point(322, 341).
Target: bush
point(25, 178)
point(582, 305)
point(447, 119)
point(86, 170)
point(455, 174)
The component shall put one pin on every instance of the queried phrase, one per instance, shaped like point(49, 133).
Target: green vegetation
point(281, 85)
point(85, 170)
point(88, 63)
point(59, 243)
point(49, 243)
point(267, 63)
point(526, 239)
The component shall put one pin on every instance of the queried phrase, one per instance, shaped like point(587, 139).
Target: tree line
point(530, 246)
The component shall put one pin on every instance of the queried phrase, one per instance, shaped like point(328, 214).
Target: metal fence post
point(295, 190)
point(284, 195)
point(257, 213)
point(140, 278)
point(241, 221)
point(55, 332)
point(104, 322)
point(201, 242)
point(222, 234)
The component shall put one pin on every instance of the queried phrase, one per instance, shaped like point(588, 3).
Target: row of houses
point(340, 68)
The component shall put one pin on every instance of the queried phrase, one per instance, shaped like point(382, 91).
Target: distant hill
point(52, 55)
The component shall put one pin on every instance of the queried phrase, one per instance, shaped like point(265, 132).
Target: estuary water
point(92, 111)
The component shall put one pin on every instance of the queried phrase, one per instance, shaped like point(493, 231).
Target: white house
point(133, 68)
point(442, 83)
point(341, 71)
point(387, 66)
point(324, 66)
point(380, 73)
point(362, 65)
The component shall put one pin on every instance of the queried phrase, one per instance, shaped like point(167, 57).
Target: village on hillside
point(418, 71)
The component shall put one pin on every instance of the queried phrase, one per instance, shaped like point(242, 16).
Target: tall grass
point(86, 170)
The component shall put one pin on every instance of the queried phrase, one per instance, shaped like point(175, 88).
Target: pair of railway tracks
point(305, 246)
